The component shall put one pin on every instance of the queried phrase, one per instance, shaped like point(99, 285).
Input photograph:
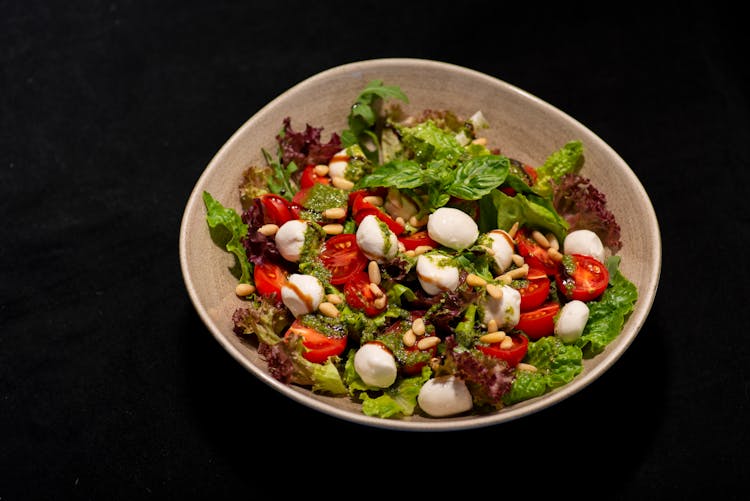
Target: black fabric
point(112, 388)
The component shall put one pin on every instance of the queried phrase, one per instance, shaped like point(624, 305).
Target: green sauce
point(323, 196)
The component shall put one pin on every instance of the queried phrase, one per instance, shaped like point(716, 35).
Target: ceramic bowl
point(522, 125)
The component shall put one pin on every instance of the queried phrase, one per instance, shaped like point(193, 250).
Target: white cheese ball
point(376, 365)
point(444, 396)
point(435, 274)
point(584, 242)
point(452, 228)
point(505, 311)
point(338, 164)
point(302, 294)
point(502, 248)
point(571, 321)
point(376, 240)
point(290, 239)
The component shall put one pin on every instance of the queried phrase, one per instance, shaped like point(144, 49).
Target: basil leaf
point(478, 176)
point(401, 174)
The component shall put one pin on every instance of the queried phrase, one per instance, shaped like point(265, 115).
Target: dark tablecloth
point(112, 388)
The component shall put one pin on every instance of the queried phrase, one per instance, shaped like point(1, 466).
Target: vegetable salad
point(408, 264)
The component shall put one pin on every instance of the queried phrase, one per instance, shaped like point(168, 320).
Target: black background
point(112, 388)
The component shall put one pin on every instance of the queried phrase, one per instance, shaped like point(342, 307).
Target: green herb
point(280, 180)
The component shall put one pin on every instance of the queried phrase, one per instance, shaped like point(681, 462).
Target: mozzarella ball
point(571, 321)
point(376, 365)
point(435, 274)
point(376, 240)
point(290, 239)
point(584, 242)
point(452, 228)
point(505, 311)
point(444, 396)
point(302, 294)
point(502, 248)
point(338, 164)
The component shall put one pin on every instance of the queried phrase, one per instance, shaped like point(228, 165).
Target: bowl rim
point(635, 321)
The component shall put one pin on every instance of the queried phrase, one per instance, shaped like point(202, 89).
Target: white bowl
point(523, 126)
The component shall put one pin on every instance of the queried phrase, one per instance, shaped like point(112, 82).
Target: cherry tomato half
point(539, 322)
point(587, 281)
point(535, 292)
point(512, 355)
point(534, 254)
point(417, 239)
point(276, 209)
point(309, 178)
point(359, 295)
point(319, 346)
point(269, 278)
point(342, 257)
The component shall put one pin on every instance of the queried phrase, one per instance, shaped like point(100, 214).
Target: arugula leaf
point(280, 180)
point(227, 229)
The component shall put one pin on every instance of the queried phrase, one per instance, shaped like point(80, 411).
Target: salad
point(409, 265)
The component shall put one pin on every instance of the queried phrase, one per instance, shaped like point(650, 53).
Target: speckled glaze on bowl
point(522, 125)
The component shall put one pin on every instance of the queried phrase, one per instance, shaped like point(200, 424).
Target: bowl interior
point(521, 125)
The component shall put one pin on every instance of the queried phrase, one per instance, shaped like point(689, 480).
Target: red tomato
point(300, 197)
point(588, 280)
point(359, 295)
point(361, 209)
point(269, 278)
point(417, 239)
point(276, 209)
point(535, 292)
point(534, 254)
point(512, 355)
point(319, 346)
point(342, 257)
point(539, 322)
point(309, 178)
point(393, 225)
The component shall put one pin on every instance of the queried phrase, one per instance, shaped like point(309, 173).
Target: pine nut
point(526, 367)
point(514, 274)
point(380, 302)
point(321, 170)
point(373, 199)
point(409, 339)
point(540, 239)
point(334, 298)
point(421, 249)
point(418, 326)
point(410, 253)
point(243, 290)
point(492, 325)
point(506, 343)
point(342, 183)
point(493, 337)
point(489, 251)
point(495, 291)
point(553, 243)
point(475, 280)
point(268, 230)
point(400, 221)
point(517, 259)
point(334, 213)
point(554, 254)
point(480, 140)
point(513, 230)
point(428, 342)
point(373, 272)
point(333, 229)
point(328, 309)
point(376, 290)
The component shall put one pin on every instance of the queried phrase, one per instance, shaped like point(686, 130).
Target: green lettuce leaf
point(556, 363)
point(568, 159)
point(607, 315)
point(227, 230)
point(427, 142)
point(528, 210)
